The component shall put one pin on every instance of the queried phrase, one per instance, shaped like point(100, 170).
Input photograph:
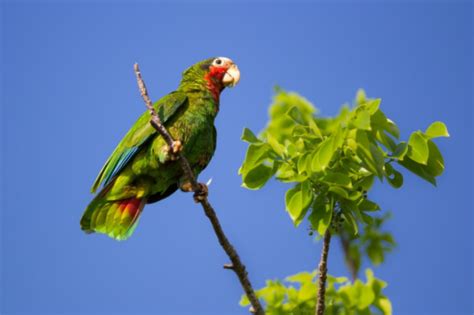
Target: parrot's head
point(213, 74)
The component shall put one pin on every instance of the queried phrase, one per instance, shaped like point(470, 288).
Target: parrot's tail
point(118, 219)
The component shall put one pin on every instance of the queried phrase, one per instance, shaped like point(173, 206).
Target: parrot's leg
point(165, 155)
point(200, 194)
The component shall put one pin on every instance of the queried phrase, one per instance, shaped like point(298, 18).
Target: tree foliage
point(331, 164)
point(296, 296)
point(333, 161)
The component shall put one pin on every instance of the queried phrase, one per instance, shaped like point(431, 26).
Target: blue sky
point(69, 95)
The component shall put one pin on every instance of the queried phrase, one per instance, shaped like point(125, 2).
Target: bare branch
point(323, 270)
point(237, 266)
point(351, 264)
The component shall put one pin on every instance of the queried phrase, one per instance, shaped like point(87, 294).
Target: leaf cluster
point(333, 161)
point(297, 296)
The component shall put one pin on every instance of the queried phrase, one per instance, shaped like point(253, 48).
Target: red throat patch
point(214, 81)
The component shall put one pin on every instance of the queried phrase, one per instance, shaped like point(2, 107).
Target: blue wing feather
point(167, 107)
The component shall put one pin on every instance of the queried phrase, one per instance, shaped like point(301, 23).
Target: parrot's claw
point(176, 147)
point(201, 193)
point(170, 153)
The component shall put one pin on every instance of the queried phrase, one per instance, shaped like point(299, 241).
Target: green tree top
point(333, 161)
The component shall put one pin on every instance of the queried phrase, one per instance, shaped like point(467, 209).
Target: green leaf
point(307, 292)
point(360, 96)
point(355, 195)
point(351, 221)
point(379, 120)
point(287, 174)
point(338, 139)
point(298, 199)
point(400, 151)
point(339, 191)
point(244, 301)
point(418, 148)
point(364, 295)
point(302, 277)
point(367, 205)
point(373, 105)
point(256, 154)
point(375, 253)
point(385, 306)
point(377, 158)
point(257, 177)
point(297, 115)
point(437, 129)
point(392, 129)
point(323, 155)
point(337, 179)
point(278, 148)
point(435, 165)
point(394, 177)
point(418, 169)
point(362, 120)
point(365, 151)
point(367, 218)
point(320, 217)
point(249, 136)
point(314, 128)
point(366, 183)
point(304, 164)
point(384, 139)
point(300, 131)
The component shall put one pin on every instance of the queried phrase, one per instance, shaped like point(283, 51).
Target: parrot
point(142, 168)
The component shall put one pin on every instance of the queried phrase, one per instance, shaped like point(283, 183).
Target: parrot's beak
point(232, 76)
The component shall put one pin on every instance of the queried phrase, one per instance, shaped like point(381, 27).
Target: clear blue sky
point(69, 95)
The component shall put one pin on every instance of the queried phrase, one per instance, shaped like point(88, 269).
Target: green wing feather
point(137, 137)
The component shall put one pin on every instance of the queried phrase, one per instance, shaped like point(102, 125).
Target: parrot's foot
point(170, 153)
point(176, 147)
point(186, 187)
point(201, 193)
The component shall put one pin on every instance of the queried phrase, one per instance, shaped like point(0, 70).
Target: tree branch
point(351, 264)
point(323, 270)
point(237, 266)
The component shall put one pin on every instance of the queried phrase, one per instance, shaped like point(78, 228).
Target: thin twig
point(237, 266)
point(351, 264)
point(323, 270)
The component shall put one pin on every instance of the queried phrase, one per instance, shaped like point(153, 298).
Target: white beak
point(232, 76)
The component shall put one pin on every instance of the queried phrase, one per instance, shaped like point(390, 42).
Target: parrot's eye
point(218, 61)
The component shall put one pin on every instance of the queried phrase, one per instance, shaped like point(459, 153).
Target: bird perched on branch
point(142, 169)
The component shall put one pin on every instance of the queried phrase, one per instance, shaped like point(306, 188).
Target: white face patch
point(222, 61)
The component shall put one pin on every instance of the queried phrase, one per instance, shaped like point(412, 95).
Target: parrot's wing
point(137, 137)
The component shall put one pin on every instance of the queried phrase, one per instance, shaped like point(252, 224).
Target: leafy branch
point(295, 295)
point(333, 163)
point(200, 192)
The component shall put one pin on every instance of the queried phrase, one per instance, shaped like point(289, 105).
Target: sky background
point(69, 95)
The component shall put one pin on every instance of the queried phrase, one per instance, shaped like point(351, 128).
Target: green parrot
point(141, 169)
